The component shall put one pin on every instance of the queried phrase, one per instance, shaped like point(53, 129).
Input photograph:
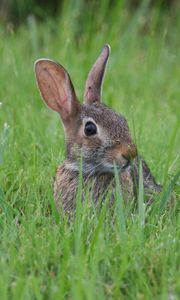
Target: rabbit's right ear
point(56, 88)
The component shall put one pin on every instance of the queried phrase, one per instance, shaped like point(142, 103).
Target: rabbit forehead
point(109, 120)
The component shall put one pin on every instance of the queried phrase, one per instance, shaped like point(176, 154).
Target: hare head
point(92, 130)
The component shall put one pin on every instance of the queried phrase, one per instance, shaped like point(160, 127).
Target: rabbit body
point(95, 135)
point(99, 185)
point(66, 184)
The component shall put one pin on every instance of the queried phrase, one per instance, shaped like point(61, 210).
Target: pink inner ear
point(56, 88)
point(64, 100)
point(53, 85)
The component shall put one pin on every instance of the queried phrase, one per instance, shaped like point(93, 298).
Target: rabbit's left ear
point(95, 77)
point(56, 88)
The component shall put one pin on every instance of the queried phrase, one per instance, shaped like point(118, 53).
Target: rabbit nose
point(129, 152)
point(125, 151)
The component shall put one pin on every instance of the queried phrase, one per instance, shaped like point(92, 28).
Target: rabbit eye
point(90, 129)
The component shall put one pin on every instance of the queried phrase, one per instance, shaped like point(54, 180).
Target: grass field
point(42, 255)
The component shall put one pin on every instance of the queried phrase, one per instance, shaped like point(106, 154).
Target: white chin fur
point(89, 168)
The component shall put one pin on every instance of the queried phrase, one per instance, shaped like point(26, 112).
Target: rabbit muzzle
point(122, 155)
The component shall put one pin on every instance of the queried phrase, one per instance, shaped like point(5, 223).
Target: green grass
point(132, 254)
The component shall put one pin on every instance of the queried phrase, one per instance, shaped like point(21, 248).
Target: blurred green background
point(16, 11)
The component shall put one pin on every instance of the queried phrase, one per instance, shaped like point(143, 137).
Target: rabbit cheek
point(92, 143)
point(91, 149)
point(87, 146)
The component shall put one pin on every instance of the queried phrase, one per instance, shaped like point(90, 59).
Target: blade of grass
point(119, 205)
point(3, 141)
point(98, 227)
point(168, 191)
point(141, 205)
point(78, 212)
point(170, 151)
point(54, 209)
point(6, 208)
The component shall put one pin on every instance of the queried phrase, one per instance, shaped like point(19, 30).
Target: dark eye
point(90, 128)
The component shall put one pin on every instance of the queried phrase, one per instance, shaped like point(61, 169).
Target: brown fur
point(66, 183)
point(100, 185)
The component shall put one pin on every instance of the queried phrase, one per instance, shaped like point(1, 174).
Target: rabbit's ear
point(94, 81)
point(56, 88)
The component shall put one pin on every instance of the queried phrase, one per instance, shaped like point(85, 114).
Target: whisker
point(93, 169)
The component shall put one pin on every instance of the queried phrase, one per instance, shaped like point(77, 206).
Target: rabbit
point(94, 135)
